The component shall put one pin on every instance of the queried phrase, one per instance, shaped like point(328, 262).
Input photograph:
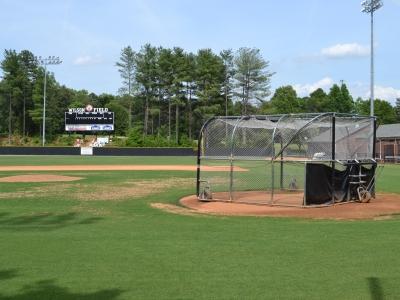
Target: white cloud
point(357, 89)
point(87, 60)
point(362, 89)
point(387, 93)
point(305, 89)
point(345, 50)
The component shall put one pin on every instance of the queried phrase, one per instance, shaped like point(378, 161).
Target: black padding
point(325, 183)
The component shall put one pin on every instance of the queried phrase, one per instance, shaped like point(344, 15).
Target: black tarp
point(323, 182)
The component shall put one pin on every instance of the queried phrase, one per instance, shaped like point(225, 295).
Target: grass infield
point(99, 238)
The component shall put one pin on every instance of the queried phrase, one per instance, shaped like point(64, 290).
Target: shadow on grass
point(47, 289)
point(375, 288)
point(7, 274)
point(43, 221)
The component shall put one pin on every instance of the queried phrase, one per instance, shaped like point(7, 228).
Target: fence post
point(333, 156)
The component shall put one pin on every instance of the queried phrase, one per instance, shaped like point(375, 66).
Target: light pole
point(369, 6)
point(51, 60)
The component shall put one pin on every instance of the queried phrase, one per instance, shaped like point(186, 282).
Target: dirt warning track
point(120, 168)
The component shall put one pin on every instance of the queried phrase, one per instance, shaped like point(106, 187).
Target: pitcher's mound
point(383, 207)
point(38, 178)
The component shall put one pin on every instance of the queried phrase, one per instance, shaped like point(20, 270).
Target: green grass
point(57, 246)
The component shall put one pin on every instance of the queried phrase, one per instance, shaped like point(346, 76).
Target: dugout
point(292, 159)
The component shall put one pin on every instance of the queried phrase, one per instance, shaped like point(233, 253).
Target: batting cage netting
point(295, 160)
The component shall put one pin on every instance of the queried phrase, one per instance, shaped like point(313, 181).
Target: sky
point(309, 43)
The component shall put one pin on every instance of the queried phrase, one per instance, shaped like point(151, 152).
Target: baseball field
point(112, 231)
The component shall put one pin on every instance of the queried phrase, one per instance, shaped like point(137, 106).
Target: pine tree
point(229, 71)
point(340, 99)
point(147, 77)
point(189, 81)
point(127, 67)
point(209, 80)
point(346, 104)
point(252, 79)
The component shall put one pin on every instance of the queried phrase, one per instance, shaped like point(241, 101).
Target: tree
point(52, 104)
point(103, 99)
point(179, 76)
point(12, 76)
point(285, 100)
point(346, 104)
point(339, 100)
point(155, 112)
point(126, 67)
point(384, 111)
point(166, 80)
point(229, 72)
point(147, 77)
point(29, 68)
point(121, 117)
point(317, 101)
point(333, 99)
point(397, 108)
point(190, 83)
point(178, 102)
point(7, 91)
point(4, 103)
point(20, 72)
point(252, 80)
point(209, 79)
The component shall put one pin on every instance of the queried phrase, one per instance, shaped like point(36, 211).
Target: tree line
point(338, 99)
point(166, 94)
point(171, 92)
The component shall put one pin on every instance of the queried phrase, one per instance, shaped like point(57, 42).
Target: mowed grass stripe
point(58, 246)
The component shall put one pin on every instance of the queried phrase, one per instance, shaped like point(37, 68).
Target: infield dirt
point(120, 168)
point(39, 178)
point(385, 206)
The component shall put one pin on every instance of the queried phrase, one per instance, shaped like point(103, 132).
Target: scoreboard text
point(89, 119)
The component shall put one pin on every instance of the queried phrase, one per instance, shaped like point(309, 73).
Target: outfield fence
point(104, 151)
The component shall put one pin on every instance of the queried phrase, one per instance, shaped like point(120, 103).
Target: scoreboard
point(89, 119)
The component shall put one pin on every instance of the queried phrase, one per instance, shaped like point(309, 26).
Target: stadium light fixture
point(51, 60)
point(369, 7)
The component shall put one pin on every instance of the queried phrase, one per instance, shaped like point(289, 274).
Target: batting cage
point(290, 160)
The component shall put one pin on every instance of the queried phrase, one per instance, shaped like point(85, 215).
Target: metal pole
point(374, 139)
point(23, 113)
point(232, 158)
point(370, 6)
point(199, 147)
point(51, 60)
point(372, 64)
point(374, 167)
point(305, 185)
point(9, 121)
point(281, 165)
point(333, 156)
point(44, 106)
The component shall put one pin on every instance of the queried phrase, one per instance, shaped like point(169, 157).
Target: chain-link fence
point(263, 159)
point(388, 150)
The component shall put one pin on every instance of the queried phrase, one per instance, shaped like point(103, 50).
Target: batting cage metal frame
point(291, 160)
